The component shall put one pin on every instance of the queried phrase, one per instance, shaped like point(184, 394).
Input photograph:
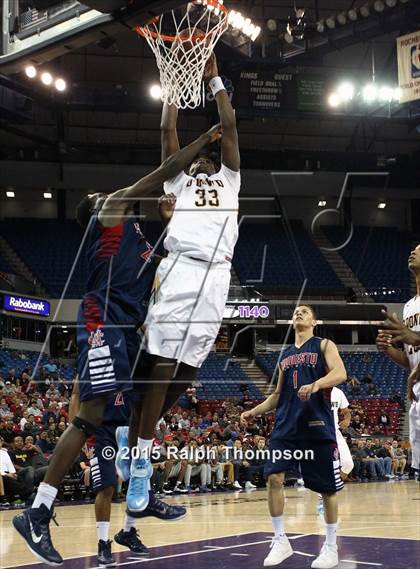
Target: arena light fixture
point(272, 25)
point(155, 92)
point(365, 10)
point(60, 84)
point(320, 26)
point(342, 18)
point(10, 194)
point(288, 38)
point(237, 21)
point(334, 100)
point(322, 203)
point(47, 195)
point(379, 6)
point(346, 91)
point(330, 22)
point(381, 205)
point(370, 93)
point(391, 3)
point(352, 14)
point(47, 78)
point(30, 71)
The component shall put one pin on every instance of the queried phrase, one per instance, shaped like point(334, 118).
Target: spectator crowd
point(34, 414)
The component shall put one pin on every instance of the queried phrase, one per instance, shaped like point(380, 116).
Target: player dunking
point(185, 317)
point(407, 333)
point(304, 422)
point(119, 284)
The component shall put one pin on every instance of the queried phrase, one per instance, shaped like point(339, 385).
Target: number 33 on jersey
point(205, 220)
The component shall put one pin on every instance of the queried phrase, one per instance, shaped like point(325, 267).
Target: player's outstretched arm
point(398, 331)
point(168, 131)
point(384, 344)
point(266, 406)
point(230, 144)
point(113, 210)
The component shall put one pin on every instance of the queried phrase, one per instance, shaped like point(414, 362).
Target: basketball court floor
point(379, 526)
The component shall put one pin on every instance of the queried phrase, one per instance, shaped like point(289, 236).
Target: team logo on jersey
point(96, 339)
point(137, 229)
point(148, 253)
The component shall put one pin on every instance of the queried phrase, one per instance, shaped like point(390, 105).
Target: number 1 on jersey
point(295, 379)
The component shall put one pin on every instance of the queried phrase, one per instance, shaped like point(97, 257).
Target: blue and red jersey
point(303, 420)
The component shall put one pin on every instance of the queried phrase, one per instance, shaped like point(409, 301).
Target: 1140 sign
point(257, 311)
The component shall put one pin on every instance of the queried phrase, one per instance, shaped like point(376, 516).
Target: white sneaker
point(249, 486)
point(300, 482)
point(327, 558)
point(237, 485)
point(280, 550)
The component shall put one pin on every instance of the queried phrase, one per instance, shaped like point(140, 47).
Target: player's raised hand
point(215, 133)
point(396, 331)
point(383, 341)
point(211, 70)
point(306, 391)
point(246, 417)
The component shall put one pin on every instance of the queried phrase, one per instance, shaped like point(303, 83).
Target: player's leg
point(346, 461)
point(166, 382)
point(275, 469)
point(321, 473)
point(103, 503)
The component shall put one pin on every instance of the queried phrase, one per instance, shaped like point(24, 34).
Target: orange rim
point(146, 31)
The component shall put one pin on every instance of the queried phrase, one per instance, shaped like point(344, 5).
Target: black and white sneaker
point(158, 509)
point(167, 489)
point(33, 526)
point(131, 540)
point(180, 489)
point(105, 558)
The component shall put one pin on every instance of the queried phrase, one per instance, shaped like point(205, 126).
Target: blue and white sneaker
point(138, 488)
point(33, 526)
point(123, 458)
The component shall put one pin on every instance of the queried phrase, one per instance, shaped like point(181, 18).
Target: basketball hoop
point(182, 45)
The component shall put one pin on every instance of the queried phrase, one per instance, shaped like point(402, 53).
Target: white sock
point(278, 525)
point(102, 530)
point(331, 534)
point(129, 523)
point(145, 446)
point(46, 495)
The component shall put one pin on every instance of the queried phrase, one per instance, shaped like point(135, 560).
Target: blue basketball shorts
point(318, 462)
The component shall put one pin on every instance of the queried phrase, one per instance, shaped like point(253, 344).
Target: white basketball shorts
point(185, 314)
point(346, 460)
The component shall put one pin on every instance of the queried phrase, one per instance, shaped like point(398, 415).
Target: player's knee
point(275, 481)
point(105, 493)
point(86, 427)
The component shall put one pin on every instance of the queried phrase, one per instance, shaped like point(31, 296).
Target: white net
point(182, 46)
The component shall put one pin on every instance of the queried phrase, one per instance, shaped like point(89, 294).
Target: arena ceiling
point(107, 115)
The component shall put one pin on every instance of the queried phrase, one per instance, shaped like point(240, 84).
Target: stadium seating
point(49, 248)
point(9, 359)
point(285, 265)
point(221, 382)
point(4, 266)
point(378, 257)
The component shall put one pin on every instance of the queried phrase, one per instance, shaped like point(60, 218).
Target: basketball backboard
point(40, 30)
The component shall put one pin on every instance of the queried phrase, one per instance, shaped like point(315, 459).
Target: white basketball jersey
point(411, 316)
point(338, 401)
point(205, 221)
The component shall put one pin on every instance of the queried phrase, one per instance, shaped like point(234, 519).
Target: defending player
point(340, 403)
point(183, 322)
point(408, 332)
point(119, 285)
point(304, 422)
point(104, 480)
